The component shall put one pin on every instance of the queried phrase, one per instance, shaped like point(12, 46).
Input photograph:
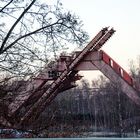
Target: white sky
point(122, 15)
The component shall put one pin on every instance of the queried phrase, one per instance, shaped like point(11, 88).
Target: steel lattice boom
point(39, 91)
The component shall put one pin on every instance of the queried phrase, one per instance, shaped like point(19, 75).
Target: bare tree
point(135, 69)
point(31, 32)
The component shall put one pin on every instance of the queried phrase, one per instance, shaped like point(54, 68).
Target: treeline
point(100, 107)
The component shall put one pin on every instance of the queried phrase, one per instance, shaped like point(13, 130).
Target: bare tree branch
point(1, 10)
point(39, 32)
point(12, 28)
point(26, 35)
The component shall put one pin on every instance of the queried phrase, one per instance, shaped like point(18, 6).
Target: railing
point(117, 68)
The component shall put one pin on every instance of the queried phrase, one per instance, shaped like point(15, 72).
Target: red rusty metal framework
point(117, 68)
point(61, 75)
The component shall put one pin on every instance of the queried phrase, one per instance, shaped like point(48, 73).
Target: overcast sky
point(122, 15)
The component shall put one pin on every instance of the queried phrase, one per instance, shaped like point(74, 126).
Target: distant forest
point(98, 107)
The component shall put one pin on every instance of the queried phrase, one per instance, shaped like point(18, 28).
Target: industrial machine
point(61, 75)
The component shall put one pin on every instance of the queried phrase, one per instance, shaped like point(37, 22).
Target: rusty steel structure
point(61, 75)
